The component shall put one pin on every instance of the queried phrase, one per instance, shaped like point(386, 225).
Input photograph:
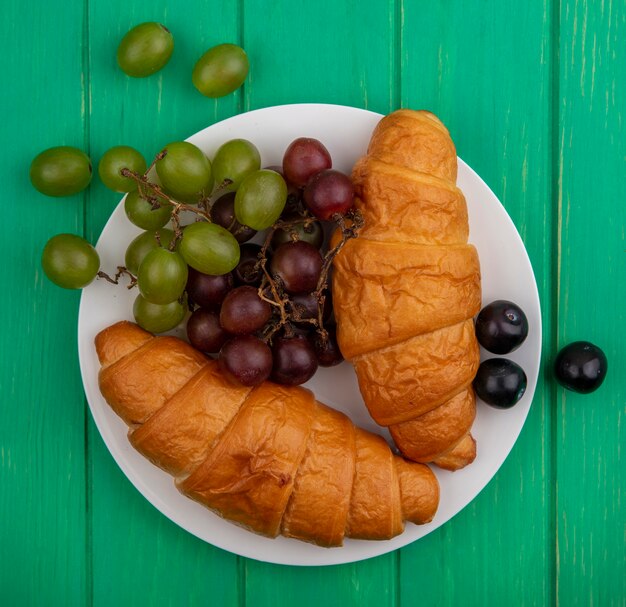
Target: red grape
point(294, 360)
point(205, 332)
point(245, 272)
point(246, 359)
point(223, 214)
point(208, 291)
point(243, 311)
point(304, 158)
point(306, 305)
point(327, 351)
point(299, 265)
point(312, 233)
point(327, 193)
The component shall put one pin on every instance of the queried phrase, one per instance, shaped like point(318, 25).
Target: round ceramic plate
point(506, 274)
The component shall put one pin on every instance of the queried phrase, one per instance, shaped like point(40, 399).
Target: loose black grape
point(223, 214)
point(327, 350)
point(294, 360)
point(311, 233)
point(298, 265)
point(500, 382)
point(205, 332)
point(246, 272)
point(304, 158)
point(243, 311)
point(207, 290)
point(327, 193)
point(501, 327)
point(581, 367)
point(246, 360)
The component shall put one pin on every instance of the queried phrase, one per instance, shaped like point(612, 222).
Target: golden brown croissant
point(271, 458)
point(406, 290)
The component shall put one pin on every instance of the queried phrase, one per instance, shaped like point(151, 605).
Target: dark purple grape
point(243, 311)
point(246, 360)
point(501, 327)
point(208, 291)
point(327, 193)
point(305, 304)
point(298, 265)
point(245, 272)
point(581, 367)
point(500, 382)
point(205, 332)
point(304, 158)
point(327, 350)
point(223, 214)
point(294, 360)
point(311, 233)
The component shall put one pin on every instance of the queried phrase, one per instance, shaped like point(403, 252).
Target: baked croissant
point(405, 292)
point(271, 458)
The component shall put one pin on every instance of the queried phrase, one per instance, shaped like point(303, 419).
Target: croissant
point(405, 292)
point(271, 458)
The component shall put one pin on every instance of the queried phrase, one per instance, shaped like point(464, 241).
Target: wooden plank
point(133, 546)
point(319, 53)
point(42, 500)
point(487, 74)
point(590, 434)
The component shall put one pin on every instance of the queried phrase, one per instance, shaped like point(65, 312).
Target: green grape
point(140, 212)
point(184, 170)
point(162, 276)
point(260, 199)
point(60, 171)
point(69, 261)
point(221, 70)
point(113, 161)
point(209, 248)
point(142, 245)
point(158, 318)
point(234, 161)
point(145, 49)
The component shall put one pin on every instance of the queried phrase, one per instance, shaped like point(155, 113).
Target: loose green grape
point(69, 261)
point(60, 171)
point(113, 161)
point(145, 49)
point(184, 170)
point(260, 199)
point(143, 244)
point(140, 212)
point(221, 70)
point(162, 276)
point(157, 318)
point(234, 161)
point(209, 248)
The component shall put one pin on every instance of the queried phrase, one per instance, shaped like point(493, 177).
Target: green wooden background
point(534, 94)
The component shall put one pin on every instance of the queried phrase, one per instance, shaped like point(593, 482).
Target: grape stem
point(121, 270)
point(273, 287)
point(153, 192)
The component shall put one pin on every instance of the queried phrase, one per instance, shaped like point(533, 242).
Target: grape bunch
point(262, 307)
point(270, 316)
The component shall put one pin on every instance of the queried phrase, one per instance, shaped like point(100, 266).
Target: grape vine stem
point(288, 311)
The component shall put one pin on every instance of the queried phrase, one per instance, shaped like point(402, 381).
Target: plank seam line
point(554, 288)
point(86, 103)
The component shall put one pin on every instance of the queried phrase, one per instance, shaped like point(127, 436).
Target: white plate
point(506, 274)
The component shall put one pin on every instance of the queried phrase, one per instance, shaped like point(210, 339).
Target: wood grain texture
point(148, 113)
point(467, 66)
point(591, 291)
point(320, 56)
point(534, 95)
point(42, 486)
